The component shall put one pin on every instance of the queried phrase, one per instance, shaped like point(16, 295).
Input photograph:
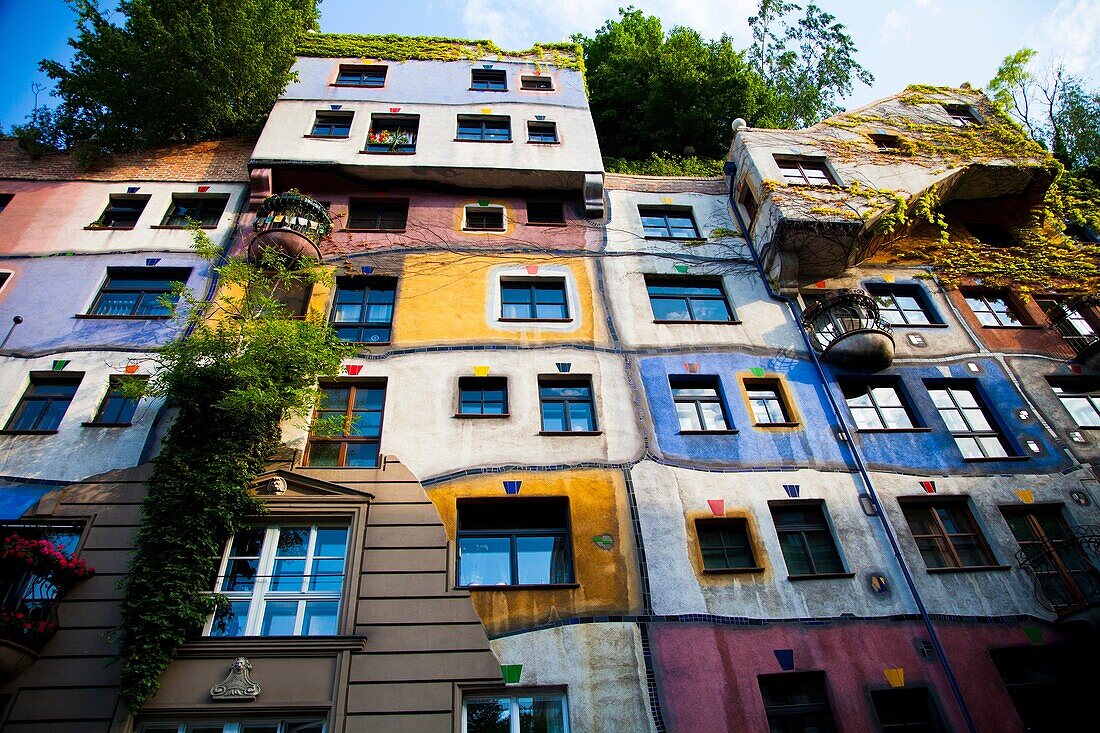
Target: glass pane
point(580, 416)
point(954, 420)
point(669, 309)
point(710, 310)
point(334, 398)
point(993, 447)
point(29, 415)
point(51, 416)
point(379, 313)
point(793, 554)
point(330, 542)
point(932, 552)
point(324, 454)
point(886, 396)
point(287, 575)
point(328, 575)
point(896, 418)
point(348, 313)
point(969, 551)
point(1082, 411)
point(230, 621)
point(551, 310)
point(115, 304)
point(964, 397)
point(713, 417)
point(320, 618)
point(489, 716)
point(553, 416)
point(541, 715)
point(542, 560)
point(484, 561)
point(969, 447)
point(240, 575)
point(976, 419)
point(867, 418)
point(151, 305)
point(367, 424)
point(279, 618)
point(293, 542)
point(362, 455)
point(823, 552)
point(688, 416)
point(940, 398)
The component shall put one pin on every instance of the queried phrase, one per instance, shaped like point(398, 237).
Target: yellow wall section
point(320, 299)
point(608, 581)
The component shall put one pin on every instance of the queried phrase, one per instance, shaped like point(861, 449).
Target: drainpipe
point(861, 467)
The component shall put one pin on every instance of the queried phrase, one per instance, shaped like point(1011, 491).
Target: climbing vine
point(665, 165)
point(245, 367)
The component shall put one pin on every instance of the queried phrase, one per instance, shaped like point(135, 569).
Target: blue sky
point(900, 41)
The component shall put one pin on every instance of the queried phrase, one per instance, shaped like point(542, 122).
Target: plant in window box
point(41, 558)
point(393, 139)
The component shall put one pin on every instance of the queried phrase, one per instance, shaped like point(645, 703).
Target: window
point(962, 114)
point(25, 590)
point(361, 76)
point(1050, 686)
point(5, 199)
point(393, 134)
point(484, 129)
point(767, 403)
point(540, 83)
point(797, 703)
point(483, 396)
point(1081, 398)
point(992, 307)
point(749, 202)
point(483, 218)
point(281, 581)
point(347, 425)
point(1073, 323)
point(906, 710)
point(248, 726)
point(806, 539)
point(698, 403)
point(378, 215)
point(514, 542)
point(946, 534)
point(542, 132)
point(545, 212)
point(886, 143)
point(138, 292)
point(206, 210)
point(1063, 569)
point(363, 309)
point(724, 544)
point(877, 404)
point(966, 416)
point(4, 277)
point(44, 403)
point(543, 299)
point(992, 233)
point(902, 305)
point(805, 172)
point(489, 80)
point(117, 407)
point(332, 124)
point(687, 299)
point(524, 713)
point(668, 223)
point(566, 405)
point(122, 212)
point(292, 295)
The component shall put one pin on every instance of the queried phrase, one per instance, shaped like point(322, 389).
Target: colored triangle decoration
point(1034, 634)
point(792, 490)
point(785, 657)
point(682, 269)
point(395, 110)
point(483, 202)
point(666, 200)
point(564, 366)
point(335, 106)
point(1027, 496)
point(928, 486)
point(717, 507)
point(895, 676)
point(133, 189)
point(511, 673)
point(691, 367)
point(60, 364)
point(757, 372)
point(540, 118)
point(512, 487)
point(604, 541)
point(888, 278)
point(131, 368)
point(366, 269)
point(819, 284)
point(353, 369)
point(481, 371)
point(486, 110)
point(204, 189)
point(532, 269)
point(151, 261)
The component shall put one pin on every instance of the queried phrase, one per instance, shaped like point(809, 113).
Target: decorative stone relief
point(237, 686)
point(275, 485)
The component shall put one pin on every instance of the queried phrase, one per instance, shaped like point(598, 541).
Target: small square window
point(1081, 398)
point(206, 210)
point(966, 415)
point(352, 425)
point(668, 223)
point(378, 215)
point(946, 533)
point(122, 212)
point(877, 403)
point(902, 305)
point(138, 292)
point(483, 219)
point(767, 402)
point(541, 299)
point(699, 405)
point(118, 407)
point(541, 83)
point(484, 396)
point(542, 132)
point(545, 212)
point(362, 311)
point(886, 143)
point(361, 76)
point(688, 299)
point(962, 114)
point(44, 403)
point(994, 234)
point(483, 128)
point(725, 544)
point(489, 80)
point(532, 712)
point(906, 710)
point(566, 405)
point(393, 134)
point(995, 308)
point(514, 542)
point(797, 702)
point(806, 539)
point(332, 124)
point(805, 171)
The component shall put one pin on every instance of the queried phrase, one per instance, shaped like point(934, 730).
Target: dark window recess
point(946, 534)
point(668, 223)
point(24, 590)
point(393, 134)
point(797, 703)
point(293, 296)
point(1079, 326)
point(724, 544)
point(44, 403)
point(138, 292)
point(961, 114)
point(206, 210)
point(484, 219)
point(347, 425)
point(877, 404)
point(379, 216)
point(906, 710)
point(361, 76)
point(972, 426)
point(688, 299)
point(482, 396)
point(805, 172)
point(514, 542)
point(4, 277)
point(542, 132)
point(566, 405)
point(1063, 571)
point(698, 403)
point(993, 307)
point(484, 129)
point(749, 202)
point(902, 305)
point(122, 212)
point(991, 233)
point(806, 539)
point(117, 407)
point(886, 143)
point(1051, 687)
point(489, 80)
point(534, 300)
point(5, 199)
point(766, 401)
point(363, 309)
point(545, 212)
point(1081, 398)
point(332, 124)
point(536, 83)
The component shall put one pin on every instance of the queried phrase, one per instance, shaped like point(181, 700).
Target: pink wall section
point(707, 674)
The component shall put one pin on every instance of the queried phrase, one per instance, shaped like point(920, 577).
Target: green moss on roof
point(430, 48)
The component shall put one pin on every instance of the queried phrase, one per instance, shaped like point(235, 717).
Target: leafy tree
point(173, 71)
point(807, 65)
point(654, 92)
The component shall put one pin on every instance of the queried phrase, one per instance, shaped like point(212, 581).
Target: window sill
point(693, 240)
point(327, 137)
point(543, 142)
point(546, 223)
point(341, 468)
point(28, 432)
point(920, 325)
point(101, 317)
point(705, 323)
point(732, 571)
point(543, 586)
point(570, 432)
point(375, 231)
point(535, 320)
point(776, 424)
point(969, 569)
point(1022, 326)
point(994, 460)
point(708, 432)
point(222, 646)
point(462, 140)
point(1088, 427)
point(106, 424)
point(475, 89)
point(358, 86)
point(179, 226)
point(387, 152)
point(485, 231)
point(893, 430)
point(93, 228)
point(478, 416)
point(822, 576)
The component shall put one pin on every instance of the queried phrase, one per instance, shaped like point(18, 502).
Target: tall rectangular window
point(24, 589)
point(686, 299)
point(122, 212)
point(725, 545)
point(1081, 398)
point(393, 133)
point(377, 215)
point(901, 305)
point(363, 309)
point(805, 171)
point(906, 710)
point(483, 128)
point(118, 407)
point(877, 404)
point(204, 210)
point(332, 124)
point(767, 402)
point(566, 405)
point(806, 539)
point(668, 222)
point(993, 307)
point(514, 542)
point(797, 702)
point(542, 299)
point(138, 292)
point(1062, 566)
point(698, 402)
point(946, 534)
point(483, 396)
point(44, 403)
point(488, 80)
point(530, 712)
point(969, 420)
point(281, 580)
point(361, 76)
point(347, 425)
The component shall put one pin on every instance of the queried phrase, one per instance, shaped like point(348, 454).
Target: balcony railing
point(290, 223)
point(1066, 570)
point(1070, 321)
point(847, 329)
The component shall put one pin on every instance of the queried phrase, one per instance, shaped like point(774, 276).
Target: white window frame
point(513, 698)
point(260, 594)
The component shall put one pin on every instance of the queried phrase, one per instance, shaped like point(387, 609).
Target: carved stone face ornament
point(237, 686)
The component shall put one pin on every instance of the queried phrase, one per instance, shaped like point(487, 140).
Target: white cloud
point(895, 27)
point(1070, 33)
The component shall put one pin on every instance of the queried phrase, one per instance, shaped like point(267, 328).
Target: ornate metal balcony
point(289, 223)
point(847, 330)
point(1066, 572)
point(1070, 320)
